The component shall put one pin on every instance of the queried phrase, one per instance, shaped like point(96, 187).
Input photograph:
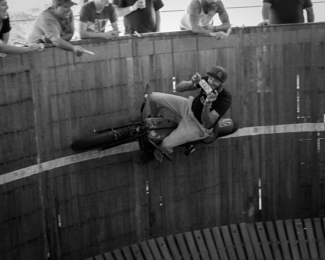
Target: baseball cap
point(218, 73)
point(64, 2)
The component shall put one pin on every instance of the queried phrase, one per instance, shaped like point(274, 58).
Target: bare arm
point(64, 45)
point(17, 50)
point(310, 14)
point(158, 20)
point(84, 34)
point(194, 19)
point(123, 11)
point(224, 19)
point(185, 86)
point(266, 11)
point(208, 117)
point(5, 37)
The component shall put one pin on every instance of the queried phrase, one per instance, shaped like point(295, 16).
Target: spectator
point(94, 16)
point(4, 34)
point(55, 25)
point(142, 16)
point(286, 11)
point(199, 16)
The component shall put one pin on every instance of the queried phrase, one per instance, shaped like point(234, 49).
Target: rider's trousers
point(189, 128)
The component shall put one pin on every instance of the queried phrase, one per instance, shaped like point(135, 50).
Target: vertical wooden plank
point(108, 256)
point(319, 230)
point(146, 251)
point(301, 239)
point(127, 253)
point(247, 241)
point(219, 243)
point(118, 254)
point(228, 242)
point(311, 239)
point(154, 249)
point(173, 247)
point(238, 244)
point(163, 248)
point(192, 246)
point(264, 241)
point(255, 241)
point(182, 246)
point(210, 244)
point(283, 240)
point(137, 252)
point(292, 239)
point(201, 244)
point(274, 241)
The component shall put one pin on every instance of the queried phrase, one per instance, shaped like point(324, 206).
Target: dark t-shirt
point(141, 20)
point(220, 105)
point(97, 22)
point(5, 27)
point(287, 11)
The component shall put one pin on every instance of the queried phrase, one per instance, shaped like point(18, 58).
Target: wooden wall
point(50, 98)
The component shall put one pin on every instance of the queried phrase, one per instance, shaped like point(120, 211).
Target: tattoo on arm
point(208, 117)
point(185, 86)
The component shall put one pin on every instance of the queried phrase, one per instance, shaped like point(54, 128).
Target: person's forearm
point(310, 17)
point(90, 35)
point(5, 38)
point(205, 118)
point(13, 49)
point(223, 27)
point(67, 37)
point(201, 31)
point(62, 44)
point(158, 20)
point(123, 11)
point(185, 86)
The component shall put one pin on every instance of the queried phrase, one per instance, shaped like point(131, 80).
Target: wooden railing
point(290, 239)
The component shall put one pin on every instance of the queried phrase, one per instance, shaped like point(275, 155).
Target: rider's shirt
point(220, 105)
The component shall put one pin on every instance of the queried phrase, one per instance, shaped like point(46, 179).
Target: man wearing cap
point(55, 25)
point(198, 115)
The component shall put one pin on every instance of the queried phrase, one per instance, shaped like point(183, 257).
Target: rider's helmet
point(218, 73)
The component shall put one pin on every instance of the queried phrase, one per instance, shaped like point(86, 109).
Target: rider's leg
point(187, 131)
point(175, 104)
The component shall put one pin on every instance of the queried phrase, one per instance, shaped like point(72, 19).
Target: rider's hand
point(196, 79)
point(219, 35)
point(78, 50)
point(211, 97)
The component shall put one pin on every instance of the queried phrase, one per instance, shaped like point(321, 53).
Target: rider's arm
point(186, 86)
point(208, 117)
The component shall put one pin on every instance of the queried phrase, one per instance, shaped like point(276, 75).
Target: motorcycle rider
point(198, 115)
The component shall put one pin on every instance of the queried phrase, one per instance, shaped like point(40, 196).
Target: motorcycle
point(149, 132)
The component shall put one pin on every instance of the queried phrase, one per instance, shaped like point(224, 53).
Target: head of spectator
point(62, 8)
point(140, 16)
point(56, 25)
point(199, 15)
point(94, 16)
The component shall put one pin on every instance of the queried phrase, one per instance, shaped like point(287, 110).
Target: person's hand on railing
point(264, 23)
point(113, 34)
point(219, 35)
